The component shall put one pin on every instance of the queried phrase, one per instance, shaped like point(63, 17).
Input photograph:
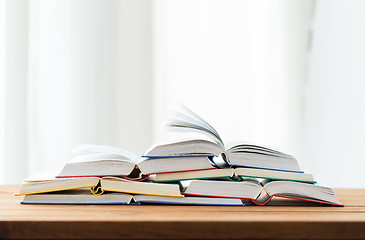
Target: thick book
point(101, 161)
point(81, 196)
point(261, 193)
point(97, 186)
point(235, 174)
point(85, 197)
point(237, 154)
point(148, 199)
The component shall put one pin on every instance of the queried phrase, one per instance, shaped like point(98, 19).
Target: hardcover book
point(236, 154)
point(234, 174)
point(261, 192)
point(101, 161)
point(85, 197)
point(97, 186)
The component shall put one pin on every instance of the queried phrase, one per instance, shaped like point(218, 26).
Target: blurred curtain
point(106, 72)
point(73, 72)
point(241, 64)
point(333, 136)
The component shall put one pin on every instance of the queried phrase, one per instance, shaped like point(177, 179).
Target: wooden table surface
point(182, 222)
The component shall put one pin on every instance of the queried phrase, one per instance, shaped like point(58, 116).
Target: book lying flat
point(235, 174)
point(77, 196)
point(261, 193)
point(99, 185)
point(148, 199)
point(85, 197)
point(100, 161)
point(235, 154)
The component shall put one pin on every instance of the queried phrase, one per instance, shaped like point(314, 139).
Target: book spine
point(262, 203)
point(136, 179)
point(97, 189)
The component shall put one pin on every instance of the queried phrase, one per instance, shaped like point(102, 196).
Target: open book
point(234, 154)
point(39, 184)
point(77, 196)
point(84, 196)
point(261, 192)
point(235, 174)
point(101, 161)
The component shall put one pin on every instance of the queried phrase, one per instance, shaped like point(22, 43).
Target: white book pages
point(93, 149)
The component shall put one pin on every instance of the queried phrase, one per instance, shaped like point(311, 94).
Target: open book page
point(98, 164)
point(184, 148)
point(56, 185)
point(86, 149)
point(186, 119)
point(262, 157)
point(225, 189)
point(241, 145)
point(149, 199)
point(77, 196)
point(41, 176)
point(99, 157)
point(189, 175)
point(121, 185)
point(302, 191)
point(174, 164)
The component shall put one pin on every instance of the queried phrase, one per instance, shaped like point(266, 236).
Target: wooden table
point(182, 222)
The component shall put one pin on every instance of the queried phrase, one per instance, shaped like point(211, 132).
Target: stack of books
point(187, 172)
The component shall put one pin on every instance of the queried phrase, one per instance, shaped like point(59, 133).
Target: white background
point(283, 73)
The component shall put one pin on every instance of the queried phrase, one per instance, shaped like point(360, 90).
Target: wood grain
point(182, 222)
